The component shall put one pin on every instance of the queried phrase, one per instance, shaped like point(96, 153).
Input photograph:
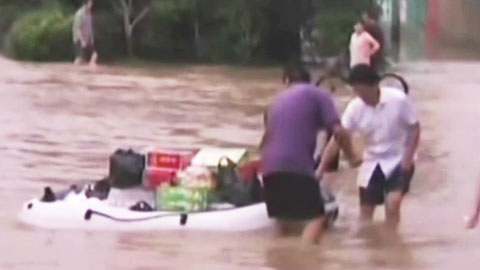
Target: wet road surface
point(60, 123)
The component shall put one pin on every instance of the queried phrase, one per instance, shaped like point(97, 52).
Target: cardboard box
point(209, 157)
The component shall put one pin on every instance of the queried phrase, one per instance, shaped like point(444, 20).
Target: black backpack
point(126, 168)
point(236, 191)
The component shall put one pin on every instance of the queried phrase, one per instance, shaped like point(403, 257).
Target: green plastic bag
point(184, 199)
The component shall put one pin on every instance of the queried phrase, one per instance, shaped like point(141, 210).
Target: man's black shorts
point(293, 196)
point(379, 185)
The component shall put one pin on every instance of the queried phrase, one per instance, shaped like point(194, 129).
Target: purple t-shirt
point(294, 120)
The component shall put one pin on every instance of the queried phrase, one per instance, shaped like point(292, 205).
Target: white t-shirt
point(384, 129)
point(362, 47)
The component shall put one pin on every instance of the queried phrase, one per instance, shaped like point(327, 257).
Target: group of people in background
point(367, 43)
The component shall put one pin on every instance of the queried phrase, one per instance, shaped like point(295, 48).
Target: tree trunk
point(129, 40)
point(130, 21)
point(396, 24)
point(285, 17)
point(197, 39)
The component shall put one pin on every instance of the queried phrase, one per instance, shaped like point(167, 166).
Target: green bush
point(109, 37)
point(335, 24)
point(43, 35)
point(239, 37)
point(166, 34)
point(8, 14)
point(335, 31)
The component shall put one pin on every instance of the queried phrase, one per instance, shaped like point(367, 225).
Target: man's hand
point(412, 144)
point(407, 164)
point(343, 140)
point(472, 221)
point(356, 162)
point(83, 43)
point(319, 175)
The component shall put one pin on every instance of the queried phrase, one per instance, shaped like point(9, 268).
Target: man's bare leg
point(78, 61)
point(313, 231)
point(281, 227)
point(93, 60)
point(365, 219)
point(366, 213)
point(392, 209)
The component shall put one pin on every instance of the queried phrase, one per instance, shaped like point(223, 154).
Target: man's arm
point(412, 145)
point(341, 140)
point(373, 42)
point(82, 38)
point(329, 153)
point(413, 125)
point(77, 27)
point(92, 30)
point(474, 219)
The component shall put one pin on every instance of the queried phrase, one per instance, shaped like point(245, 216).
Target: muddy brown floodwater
point(60, 123)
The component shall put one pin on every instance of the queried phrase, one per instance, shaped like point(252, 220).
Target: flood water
point(60, 123)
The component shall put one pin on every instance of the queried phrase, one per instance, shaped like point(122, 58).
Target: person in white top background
point(387, 122)
point(362, 46)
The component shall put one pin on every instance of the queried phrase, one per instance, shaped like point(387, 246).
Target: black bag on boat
point(126, 168)
point(99, 189)
point(235, 191)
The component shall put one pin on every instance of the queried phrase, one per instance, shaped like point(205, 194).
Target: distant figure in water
point(83, 35)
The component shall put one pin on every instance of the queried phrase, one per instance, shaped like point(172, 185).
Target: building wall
point(436, 28)
point(440, 29)
point(459, 21)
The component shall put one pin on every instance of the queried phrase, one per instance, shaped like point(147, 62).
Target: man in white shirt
point(362, 46)
point(386, 120)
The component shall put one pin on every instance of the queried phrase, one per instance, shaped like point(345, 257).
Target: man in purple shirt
point(288, 165)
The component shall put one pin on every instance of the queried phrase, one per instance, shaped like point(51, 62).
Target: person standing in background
point(370, 21)
point(362, 46)
point(83, 35)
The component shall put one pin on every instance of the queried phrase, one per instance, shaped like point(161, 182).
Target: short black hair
point(374, 13)
point(296, 74)
point(363, 74)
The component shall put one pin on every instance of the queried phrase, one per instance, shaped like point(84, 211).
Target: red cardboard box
point(162, 165)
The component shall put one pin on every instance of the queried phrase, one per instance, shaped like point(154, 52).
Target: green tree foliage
point(334, 20)
point(10, 10)
point(132, 13)
point(284, 21)
point(43, 35)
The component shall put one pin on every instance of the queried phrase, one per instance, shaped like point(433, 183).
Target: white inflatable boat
point(76, 211)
